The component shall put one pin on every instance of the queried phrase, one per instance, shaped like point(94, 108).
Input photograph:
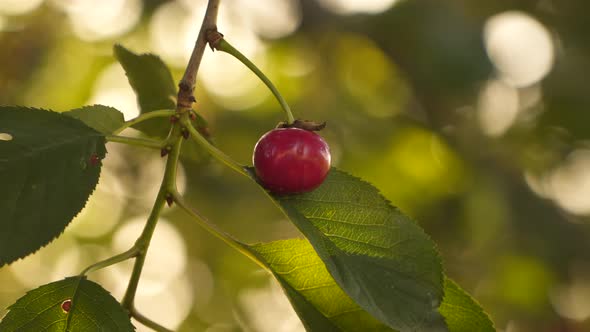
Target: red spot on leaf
point(94, 159)
point(66, 305)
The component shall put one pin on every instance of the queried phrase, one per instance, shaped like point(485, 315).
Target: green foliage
point(155, 89)
point(92, 308)
point(323, 306)
point(461, 312)
point(381, 258)
point(104, 119)
point(153, 85)
point(47, 171)
point(320, 303)
point(365, 266)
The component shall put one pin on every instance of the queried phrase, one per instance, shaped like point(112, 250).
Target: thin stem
point(167, 186)
point(147, 322)
point(212, 229)
point(136, 141)
point(187, 84)
point(218, 154)
point(143, 117)
point(133, 252)
point(224, 46)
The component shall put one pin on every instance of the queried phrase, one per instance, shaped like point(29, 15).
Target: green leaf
point(323, 306)
point(91, 308)
point(155, 90)
point(377, 255)
point(462, 313)
point(316, 297)
point(103, 119)
point(153, 85)
point(47, 171)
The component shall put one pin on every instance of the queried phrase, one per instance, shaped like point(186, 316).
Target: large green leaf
point(320, 303)
point(47, 171)
point(104, 119)
point(462, 313)
point(323, 306)
point(72, 304)
point(378, 256)
point(153, 85)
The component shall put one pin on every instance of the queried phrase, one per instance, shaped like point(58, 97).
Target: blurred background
point(473, 117)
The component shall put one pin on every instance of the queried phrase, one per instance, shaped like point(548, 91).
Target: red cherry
point(291, 160)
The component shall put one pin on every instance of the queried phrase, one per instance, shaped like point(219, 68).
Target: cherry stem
point(167, 186)
point(143, 117)
point(215, 152)
point(219, 43)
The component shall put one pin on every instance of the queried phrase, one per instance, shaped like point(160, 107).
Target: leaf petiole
point(221, 44)
point(137, 141)
point(147, 322)
point(143, 117)
point(131, 253)
point(213, 230)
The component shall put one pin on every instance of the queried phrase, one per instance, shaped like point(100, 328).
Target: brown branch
point(187, 84)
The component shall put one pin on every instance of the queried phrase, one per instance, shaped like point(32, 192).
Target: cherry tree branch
point(187, 84)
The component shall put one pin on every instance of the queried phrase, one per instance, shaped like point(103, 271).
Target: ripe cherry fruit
point(291, 160)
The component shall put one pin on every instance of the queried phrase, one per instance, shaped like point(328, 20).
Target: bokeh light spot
point(167, 258)
point(268, 310)
point(520, 47)
point(112, 89)
point(570, 183)
point(103, 210)
point(18, 7)
point(93, 21)
point(497, 107)
point(271, 18)
point(348, 7)
point(370, 77)
point(572, 300)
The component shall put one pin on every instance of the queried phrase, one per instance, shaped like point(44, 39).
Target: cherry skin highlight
point(291, 160)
